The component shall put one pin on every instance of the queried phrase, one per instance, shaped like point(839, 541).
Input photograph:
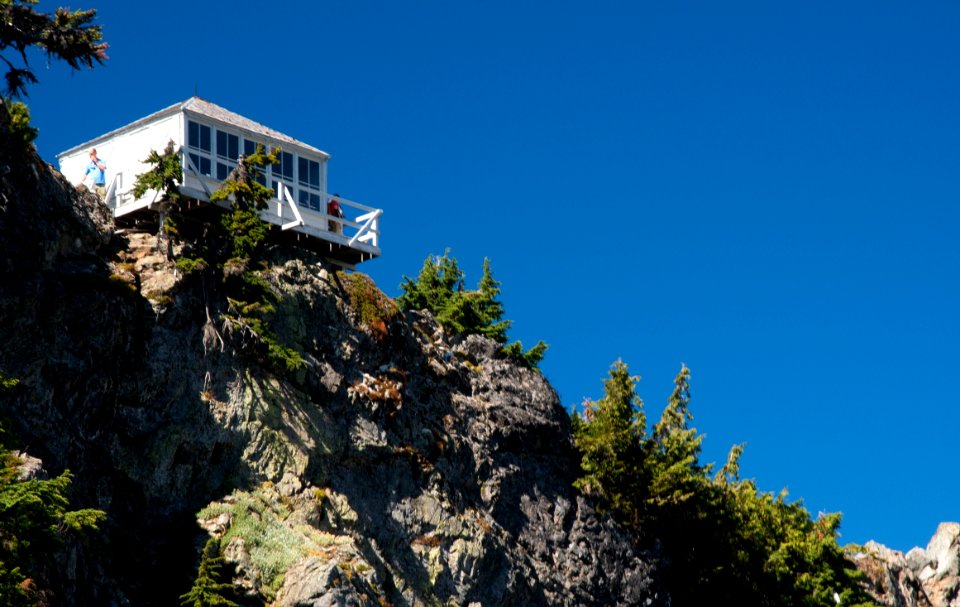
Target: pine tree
point(721, 540)
point(250, 299)
point(34, 519)
point(207, 591)
point(164, 175)
point(67, 35)
point(21, 132)
point(676, 471)
point(489, 309)
point(610, 438)
point(439, 289)
point(247, 196)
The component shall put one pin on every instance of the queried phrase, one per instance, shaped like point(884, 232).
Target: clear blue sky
point(766, 191)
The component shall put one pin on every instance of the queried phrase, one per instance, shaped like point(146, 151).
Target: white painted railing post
point(368, 231)
point(110, 196)
point(293, 207)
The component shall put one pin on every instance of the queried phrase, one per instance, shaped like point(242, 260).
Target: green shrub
point(373, 307)
point(34, 519)
point(188, 265)
point(258, 518)
point(20, 129)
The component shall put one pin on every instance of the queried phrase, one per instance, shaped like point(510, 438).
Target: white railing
point(111, 199)
point(358, 228)
point(363, 227)
point(283, 194)
point(120, 197)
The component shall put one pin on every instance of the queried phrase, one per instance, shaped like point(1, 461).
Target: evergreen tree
point(207, 591)
point(439, 289)
point(489, 309)
point(676, 471)
point(164, 175)
point(67, 35)
point(34, 519)
point(247, 196)
point(610, 438)
point(528, 358)
point(721, 540)
point(250, 299)
point(20, 129)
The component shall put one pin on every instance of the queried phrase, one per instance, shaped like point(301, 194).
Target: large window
point(308, 176)
point(284, 168)
point(198, 136)
point(228, 152)
point(228, 146)
point(309, 172)
point(214, 152)
point(198, 140)
point(282, 172)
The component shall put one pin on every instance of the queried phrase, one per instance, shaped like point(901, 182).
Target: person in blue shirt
point(96, 169)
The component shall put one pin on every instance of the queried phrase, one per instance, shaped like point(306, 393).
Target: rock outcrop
point(921, 578)
point(398, 467)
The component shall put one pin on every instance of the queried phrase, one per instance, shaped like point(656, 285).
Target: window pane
point(249, 147)
point(200, 164)
point(228, 146)
point(223, 171)
point(315, 202)
point(284, 167)
point(308, 172)
point(303, 171)
point(204, 138)
point(198, 136)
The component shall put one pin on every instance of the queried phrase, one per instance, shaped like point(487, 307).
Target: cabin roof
point(200, 107)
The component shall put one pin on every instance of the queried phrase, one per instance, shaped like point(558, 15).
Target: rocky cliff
point(399, 467)
point(921, 578)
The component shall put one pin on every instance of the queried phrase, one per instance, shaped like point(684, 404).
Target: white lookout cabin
point(210, 139)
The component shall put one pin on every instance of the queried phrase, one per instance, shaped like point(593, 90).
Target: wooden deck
point(347, 241)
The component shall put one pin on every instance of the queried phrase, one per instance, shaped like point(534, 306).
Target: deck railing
point(111, 199)
point(363, 227)
point(358, 228)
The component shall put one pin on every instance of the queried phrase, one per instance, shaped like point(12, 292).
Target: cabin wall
point(125, 152)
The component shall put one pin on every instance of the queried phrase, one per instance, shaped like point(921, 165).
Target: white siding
point(124, 153)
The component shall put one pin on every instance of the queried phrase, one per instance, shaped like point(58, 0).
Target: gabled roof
point(201, 107)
